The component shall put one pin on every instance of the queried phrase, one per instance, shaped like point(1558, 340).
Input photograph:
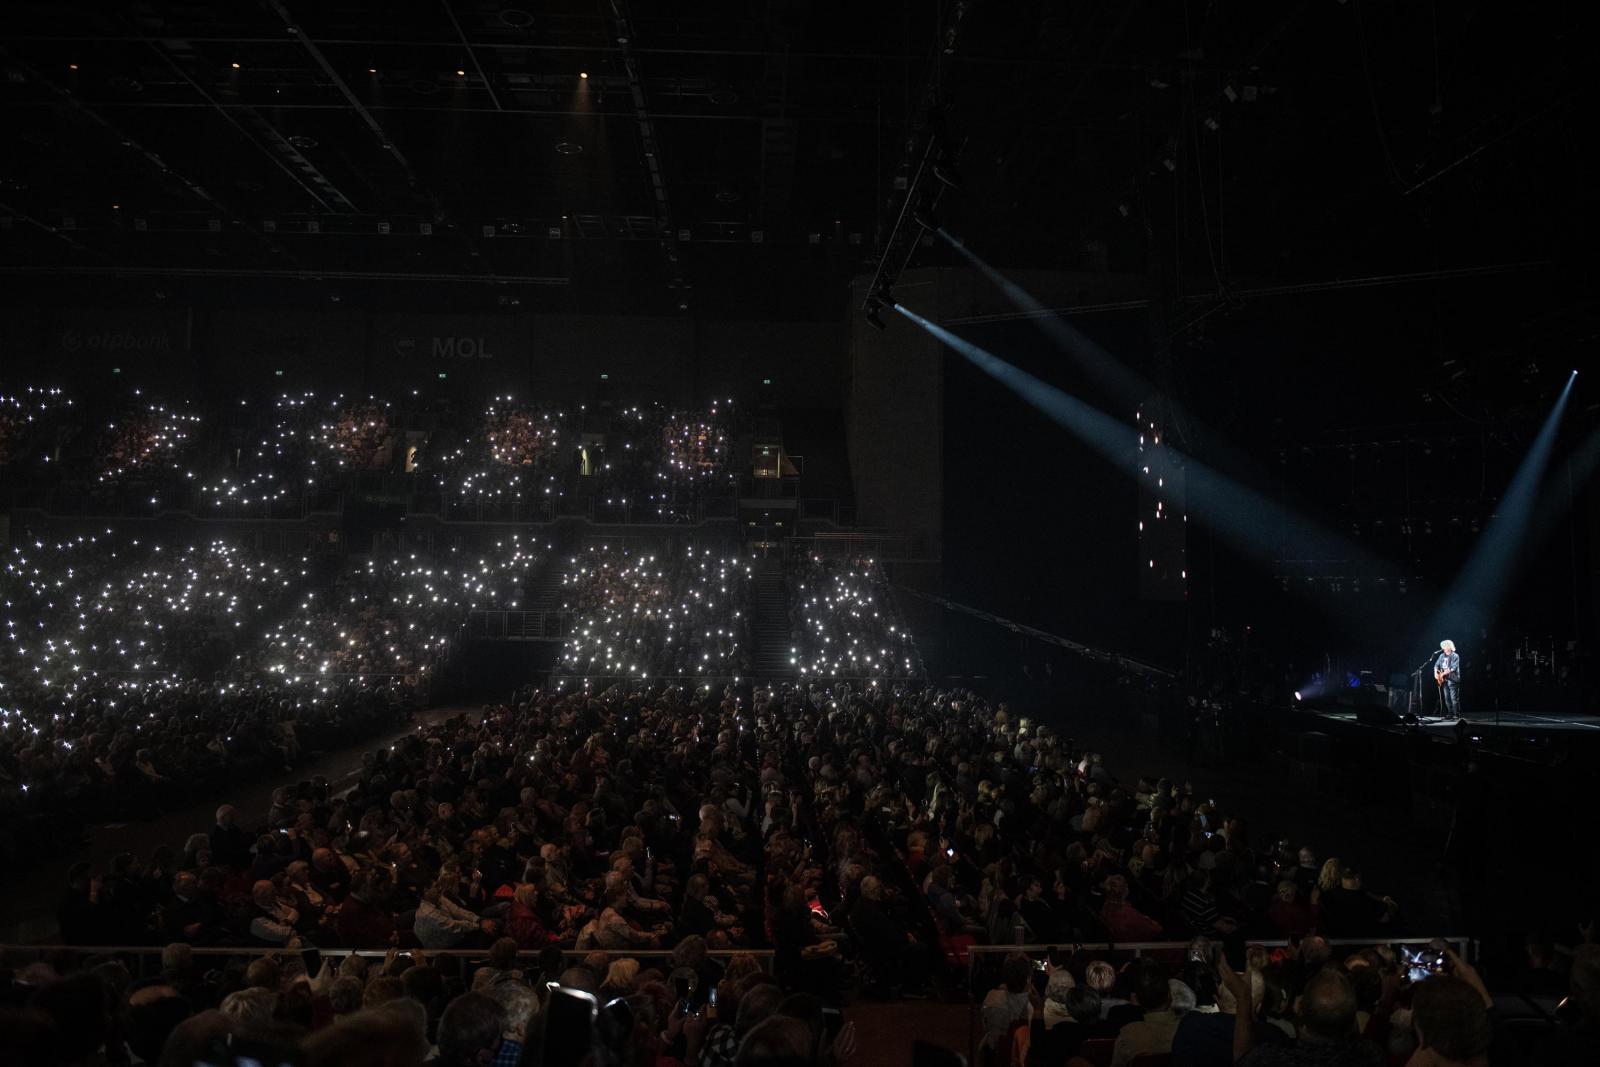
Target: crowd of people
point(134, 677)
point(842, 621)
point(394, 616)
point(97, 607)
point(675, 615)
point(660, 465)
point(514, 455)
point(150, 439)
point(517, 863)
point(130, 454)
point(23, 416)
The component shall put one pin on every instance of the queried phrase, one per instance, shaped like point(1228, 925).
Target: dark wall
point(222, 350)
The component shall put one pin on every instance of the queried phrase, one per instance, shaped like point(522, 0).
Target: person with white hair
point(1447, 675)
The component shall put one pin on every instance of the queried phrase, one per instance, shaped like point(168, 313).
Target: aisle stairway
point(770, 627)
point(544, 591)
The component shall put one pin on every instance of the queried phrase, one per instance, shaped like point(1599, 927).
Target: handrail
point(279, 950)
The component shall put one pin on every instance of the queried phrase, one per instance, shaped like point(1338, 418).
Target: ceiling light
point(583, 74)
point(372, 70)
point(461, 74)
point(72, 66)
point(235, 66)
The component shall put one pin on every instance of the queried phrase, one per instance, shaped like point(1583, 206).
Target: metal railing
point(145, 960)
point(1164, 951)
point(512, 624)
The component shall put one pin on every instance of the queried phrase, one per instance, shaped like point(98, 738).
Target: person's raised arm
point(1244, 1034)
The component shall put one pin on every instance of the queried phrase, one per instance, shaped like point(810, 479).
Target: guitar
point(1440, 675)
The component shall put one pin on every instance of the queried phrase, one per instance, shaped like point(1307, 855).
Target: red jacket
point(1124, 922)
point(522, 923)
point(364, 925)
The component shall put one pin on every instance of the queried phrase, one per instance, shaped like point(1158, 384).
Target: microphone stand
point(1417, 689)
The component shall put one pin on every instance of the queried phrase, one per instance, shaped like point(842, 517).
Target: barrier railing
point(515, 624)
point(145, 960)
point(1166, 951)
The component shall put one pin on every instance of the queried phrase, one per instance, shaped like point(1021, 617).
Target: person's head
point(1447, 645)
point(426, 986)
point(503, 954)
point(1307, 858)
point(1084, 1005)
point(1315, 949)
point(1331, 874)
point(1116, 888)
point(81, 1006)
point(777, 1041)
point(190, 1041)
point(345, 994)
point(185, 884)
point(225, 816)
point(527, 895)
point(1100, 976)
point(580, 977)
point(1328, 1006)
point(470, 1030)
point(1059, 985)
point(263, 973)
point(1350, 876)
point(1287, 891)
point(383, 1037)
point(153, 1013)
point(871, 888)
point(1450, 1018)
point(1150, 989)
point(622, 975)
point(1016, 972)
point(519, 1004)
point(177, 958)
point(757, 1004)
point(251, 1007)
point(381, 990)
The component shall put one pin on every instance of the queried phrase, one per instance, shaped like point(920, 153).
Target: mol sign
point(447, 347)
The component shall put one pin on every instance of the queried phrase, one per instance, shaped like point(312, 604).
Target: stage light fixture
point(461, 74)
point(1297, 696)
point(235, 66)
point(875, 306)
point(583, 74)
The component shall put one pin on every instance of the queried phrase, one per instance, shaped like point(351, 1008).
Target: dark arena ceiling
point(638, 155)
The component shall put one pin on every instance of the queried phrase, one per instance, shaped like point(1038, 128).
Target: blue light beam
point(1472, 600)
point(1244, 518)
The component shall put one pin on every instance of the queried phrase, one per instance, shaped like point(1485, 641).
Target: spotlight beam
point(1472, 600)
point(1243, 517)
point(1107, 372)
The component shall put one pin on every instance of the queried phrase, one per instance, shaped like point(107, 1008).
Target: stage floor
point(1528, 724)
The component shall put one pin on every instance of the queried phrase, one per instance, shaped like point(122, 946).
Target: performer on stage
point(1447, 675)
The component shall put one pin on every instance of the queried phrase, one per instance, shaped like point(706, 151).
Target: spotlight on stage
point(1298, 696)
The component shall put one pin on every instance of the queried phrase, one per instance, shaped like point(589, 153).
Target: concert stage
point(1545, 737)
